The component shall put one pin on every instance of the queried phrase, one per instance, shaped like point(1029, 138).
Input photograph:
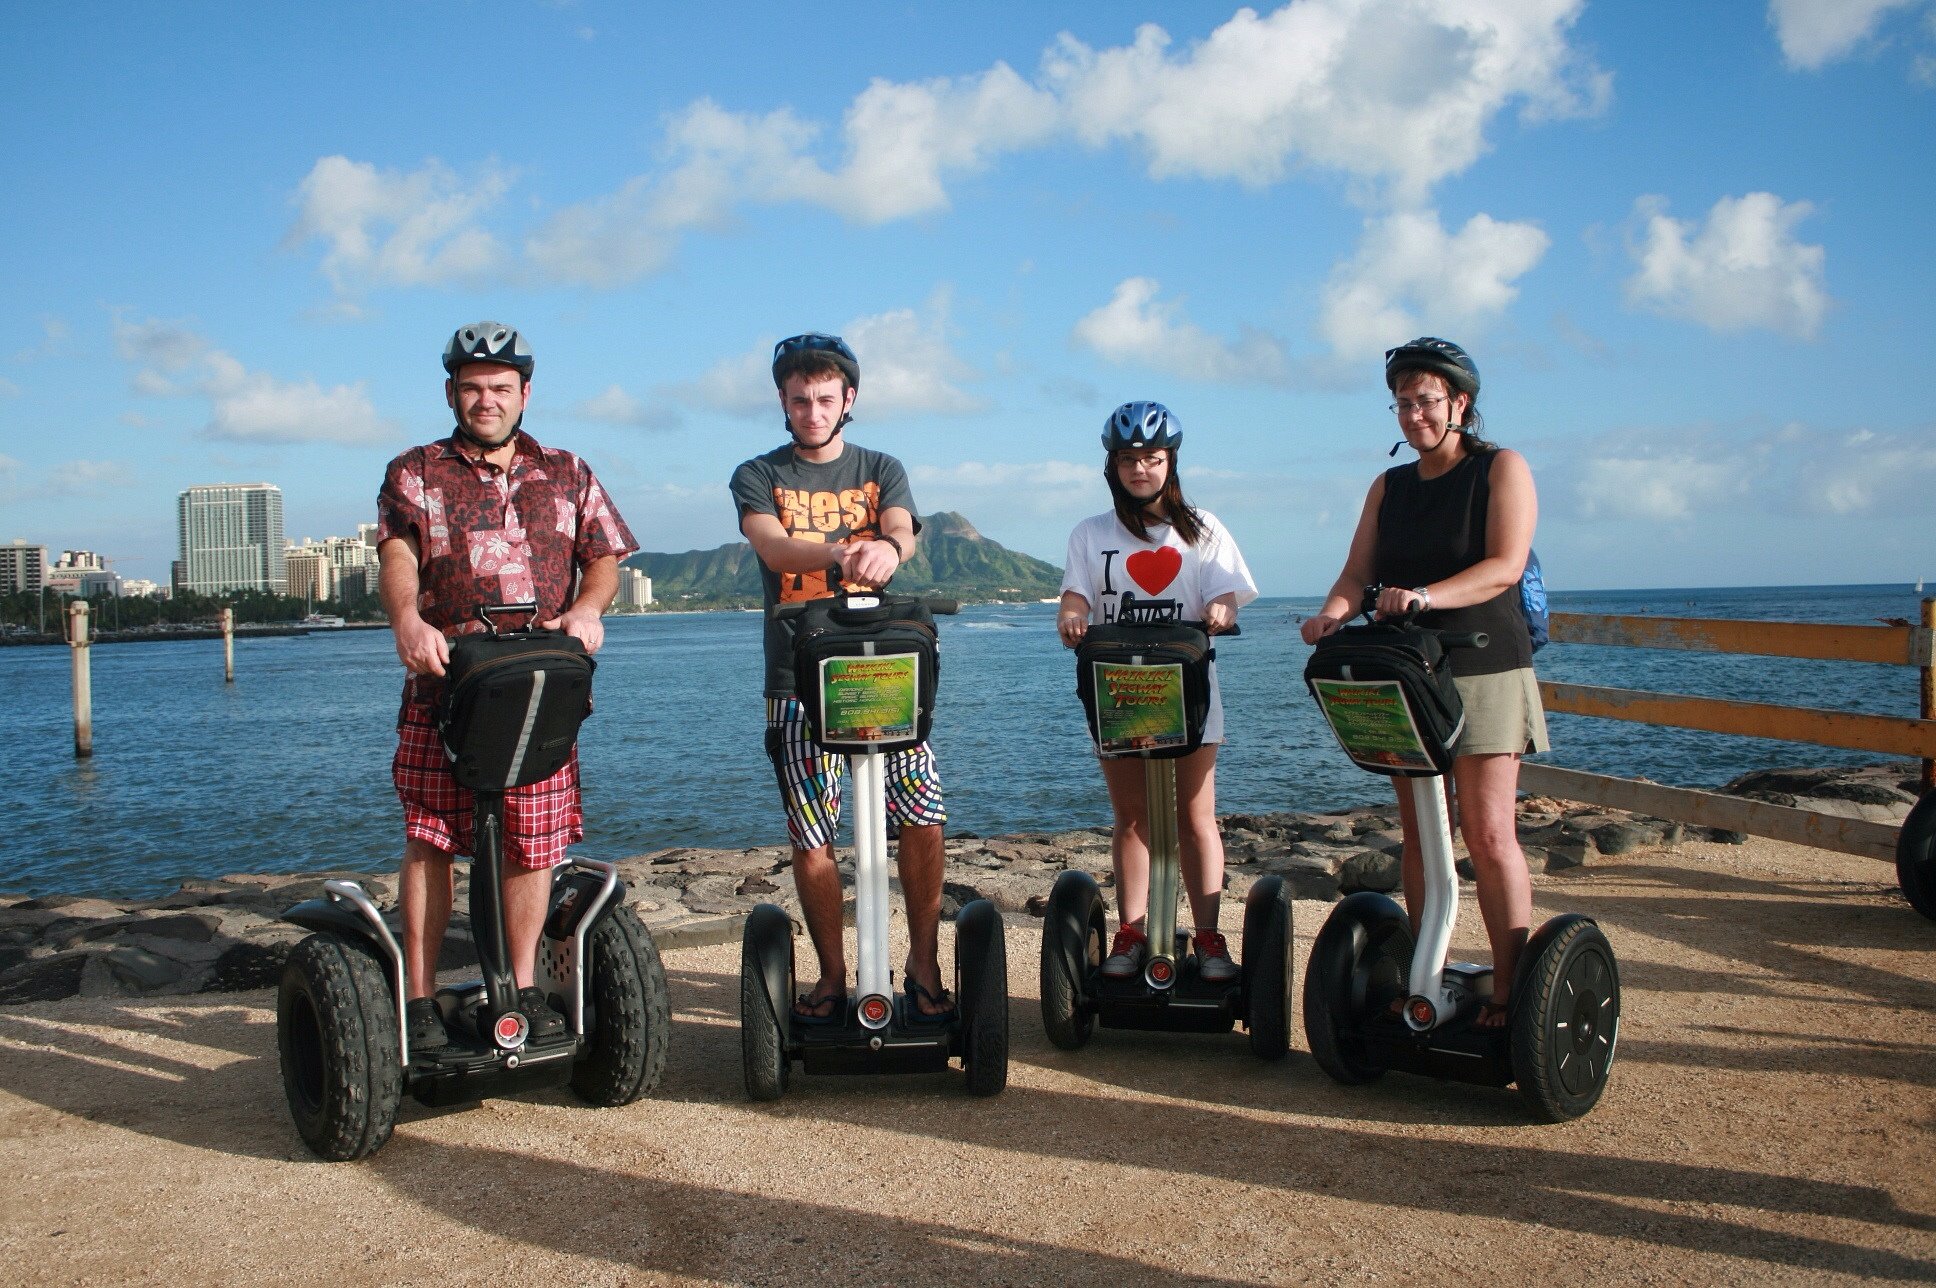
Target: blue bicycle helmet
point(796, 352)
point(1141, 424)
point(489, 342)
point(1440, 357)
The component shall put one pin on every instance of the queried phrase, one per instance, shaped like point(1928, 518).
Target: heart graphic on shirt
point(1154, 569)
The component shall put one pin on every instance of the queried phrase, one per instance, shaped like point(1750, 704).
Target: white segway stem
point(1432, 1000)
point(870, 887)
point(1165, 868)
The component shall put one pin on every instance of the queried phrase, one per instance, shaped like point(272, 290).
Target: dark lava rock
point(248, 966)
point(43, 980)
point(1369, 870)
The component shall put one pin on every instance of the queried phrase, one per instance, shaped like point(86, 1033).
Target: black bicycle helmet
point(1141, 424)
point(1440, 357)
point(792, 354)
point(488, 342)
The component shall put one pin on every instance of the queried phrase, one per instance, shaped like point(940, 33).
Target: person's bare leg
point(817, 880)
point(1198, 836)
point(424, 885)
point(919, 858)
point(1128, 837)
point(1488, 793)
point(527, 899)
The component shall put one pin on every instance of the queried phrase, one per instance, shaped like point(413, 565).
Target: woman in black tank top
point(1450, 533)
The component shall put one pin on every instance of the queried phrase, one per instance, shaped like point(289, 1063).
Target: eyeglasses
point(1405, 406)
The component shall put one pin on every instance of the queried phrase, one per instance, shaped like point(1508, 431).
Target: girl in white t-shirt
point(1154, 547)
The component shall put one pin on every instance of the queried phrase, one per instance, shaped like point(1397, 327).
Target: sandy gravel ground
point(1769, 1120)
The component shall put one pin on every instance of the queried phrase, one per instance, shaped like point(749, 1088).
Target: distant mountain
point(952, 559)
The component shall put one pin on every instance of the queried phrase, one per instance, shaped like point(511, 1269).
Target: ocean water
point(287, 770)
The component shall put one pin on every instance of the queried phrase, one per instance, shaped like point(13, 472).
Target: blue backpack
point(1532, 602)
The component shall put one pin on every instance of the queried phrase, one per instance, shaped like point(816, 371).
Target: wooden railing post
point(1929, 684)
point(83, 680)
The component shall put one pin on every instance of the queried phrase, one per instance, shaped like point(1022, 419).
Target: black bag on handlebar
point(1117, 650)
point(865, 667)
point(511, 706)
point(1378, 655)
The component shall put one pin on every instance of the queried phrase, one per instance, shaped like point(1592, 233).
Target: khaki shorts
point(1502, 714)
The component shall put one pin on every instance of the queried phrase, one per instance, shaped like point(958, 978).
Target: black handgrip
point(1235, 629)
point(1463, 639)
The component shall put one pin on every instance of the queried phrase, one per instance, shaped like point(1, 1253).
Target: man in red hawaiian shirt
point(486, 516)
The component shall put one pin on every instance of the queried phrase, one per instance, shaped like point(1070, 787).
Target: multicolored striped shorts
point(810, 780)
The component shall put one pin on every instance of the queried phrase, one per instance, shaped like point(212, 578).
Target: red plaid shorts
point(540, 819)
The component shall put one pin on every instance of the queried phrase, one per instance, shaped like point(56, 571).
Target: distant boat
point(321, 621)
point(1919, 585)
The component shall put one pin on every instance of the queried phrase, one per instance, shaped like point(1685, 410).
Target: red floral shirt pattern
point(491, 536)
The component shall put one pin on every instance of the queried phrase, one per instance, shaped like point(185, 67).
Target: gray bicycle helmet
point(1440, 357)
point(488, 342)
point(1141, 424)
point(796, 352)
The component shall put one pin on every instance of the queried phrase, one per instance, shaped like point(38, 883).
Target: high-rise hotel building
point(231, 538)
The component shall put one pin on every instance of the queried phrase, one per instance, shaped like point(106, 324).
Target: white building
point(309, 573)
point(23, 566)
point(231, 538)
point(141, 588)
point(634, 589)
point(82, 573)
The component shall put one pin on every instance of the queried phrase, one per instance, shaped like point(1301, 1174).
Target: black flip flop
point(836, 1015)
point(916, 993)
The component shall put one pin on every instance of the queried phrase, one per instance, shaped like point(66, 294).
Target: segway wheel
point(1916, 856)
point(1357, 968)
point(631, 1020)
point(981, 992)
point(765, 1000)
point(336, 1030)
point(1267, 968)
point(1072, 951)
point(1566, 1022)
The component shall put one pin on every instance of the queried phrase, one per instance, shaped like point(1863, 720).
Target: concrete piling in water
point(228, 646)
point(77, 639)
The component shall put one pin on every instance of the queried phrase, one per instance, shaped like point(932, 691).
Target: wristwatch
point(1424, 599)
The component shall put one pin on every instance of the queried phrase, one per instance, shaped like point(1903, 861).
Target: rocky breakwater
point(224, 934)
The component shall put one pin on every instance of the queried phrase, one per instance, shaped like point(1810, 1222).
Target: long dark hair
point(1130, 512)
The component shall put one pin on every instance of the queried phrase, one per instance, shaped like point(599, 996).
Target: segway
point(1374, 1000)
point(1145, 688)
point(510, 716)
point(866, 668)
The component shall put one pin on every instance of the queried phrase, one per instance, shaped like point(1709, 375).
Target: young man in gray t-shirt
point(820, 511)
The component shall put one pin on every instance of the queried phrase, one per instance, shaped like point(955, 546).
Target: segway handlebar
point(485, 612)
point(1447, 639)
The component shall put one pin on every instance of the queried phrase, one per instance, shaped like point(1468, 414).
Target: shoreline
point(222, 934)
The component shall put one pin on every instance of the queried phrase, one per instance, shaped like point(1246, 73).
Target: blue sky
point(1687, 244)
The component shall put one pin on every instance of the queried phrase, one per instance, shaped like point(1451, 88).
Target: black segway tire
point(1267, 969)
point(981, 993)
point(336, 1031)
point(1565, 1020)
point(1916, 856)
point(1358, 966)
point(1072, 950)
point(630, 1024)
point(765, 1001)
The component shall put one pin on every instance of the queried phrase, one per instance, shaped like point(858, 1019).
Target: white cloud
point(1136, 329)
point(1669, 487)
point(1052, 488)
point(8, 389)
point(1743, 268)
point(388, 227)
point(87, 478)
point(245, 406)
point(616, 407)
point(1866, 472)
point(906, 366)
point(1392, 93)
point(53, 335)
point(1814, 33)
point(1410, 275)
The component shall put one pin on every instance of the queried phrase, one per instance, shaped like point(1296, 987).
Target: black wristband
point(898, 552)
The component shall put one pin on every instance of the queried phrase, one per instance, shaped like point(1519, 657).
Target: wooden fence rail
point(1903, 645)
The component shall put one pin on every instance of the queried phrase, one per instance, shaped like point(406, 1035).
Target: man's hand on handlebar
point(421, 647)
point(583, 624)
point(868, 562)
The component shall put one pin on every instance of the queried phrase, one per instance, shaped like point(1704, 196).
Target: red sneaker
point(1213, 959)
point(1126, 953)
